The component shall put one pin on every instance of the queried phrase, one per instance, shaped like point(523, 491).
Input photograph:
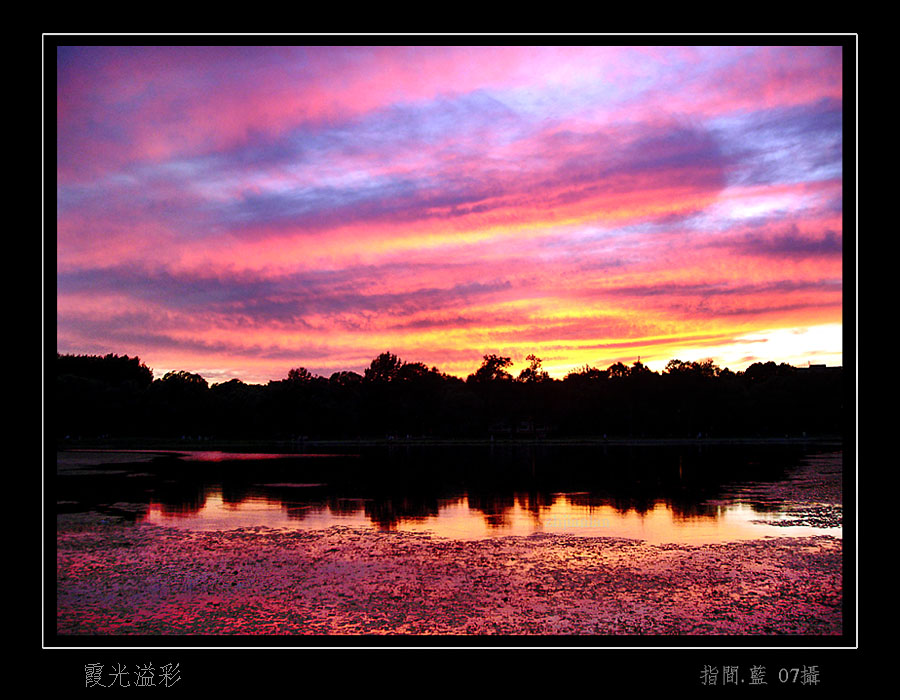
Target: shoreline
point(168, 444)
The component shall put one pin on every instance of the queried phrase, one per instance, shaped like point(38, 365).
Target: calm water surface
point(681, 495)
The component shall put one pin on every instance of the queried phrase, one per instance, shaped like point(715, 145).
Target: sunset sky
point(239, 211)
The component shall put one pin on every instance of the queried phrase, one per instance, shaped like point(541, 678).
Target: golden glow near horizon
point(316, 206)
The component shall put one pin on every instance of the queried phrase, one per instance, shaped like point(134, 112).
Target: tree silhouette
point(493, 369)
point(345, 379)
point(98, 396)
point(183, 381)
point(617, 371)
point(383, 368)
point(586, 374)
point(299, 375)
point(109, 369)
point(533, 373)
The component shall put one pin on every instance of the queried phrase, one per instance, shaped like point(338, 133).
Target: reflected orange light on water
point(459, 519)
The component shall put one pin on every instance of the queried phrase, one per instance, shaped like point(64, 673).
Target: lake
point(660, 494)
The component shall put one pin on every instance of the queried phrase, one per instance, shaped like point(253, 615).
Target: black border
point(482, 664)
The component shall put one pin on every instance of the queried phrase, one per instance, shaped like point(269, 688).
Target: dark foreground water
point(658, 494)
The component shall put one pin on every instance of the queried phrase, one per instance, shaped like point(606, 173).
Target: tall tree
point(493, 369)
point(534, 372)
point(383, 368)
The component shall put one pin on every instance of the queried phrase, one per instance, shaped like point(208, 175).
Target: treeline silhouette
point(117, 396)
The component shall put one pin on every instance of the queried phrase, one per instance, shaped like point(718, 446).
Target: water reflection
point(657, 495)
point(465, 517)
